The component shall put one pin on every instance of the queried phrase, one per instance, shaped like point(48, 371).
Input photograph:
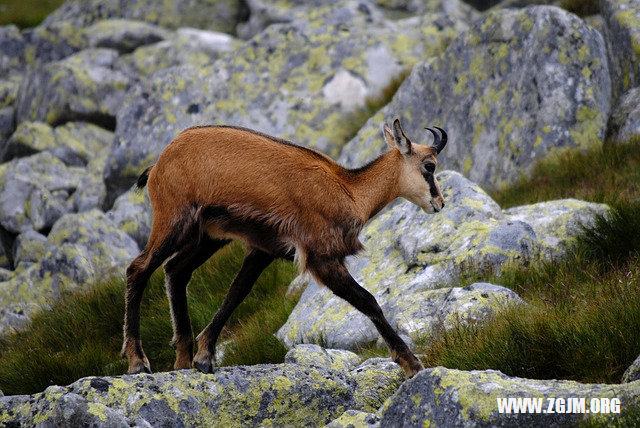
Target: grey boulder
point(519, 84)
point(456, 398)
point(85, 86)
point(123, 35)
point(633, 371)
point(624, 123)
point(622, 32)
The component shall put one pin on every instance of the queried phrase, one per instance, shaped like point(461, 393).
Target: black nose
point(442, 204)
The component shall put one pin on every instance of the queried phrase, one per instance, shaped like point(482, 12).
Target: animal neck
point(374, 186)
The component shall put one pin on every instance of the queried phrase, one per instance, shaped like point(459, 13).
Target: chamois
point(213, 184)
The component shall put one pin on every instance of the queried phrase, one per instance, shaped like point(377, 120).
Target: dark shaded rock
point(625, 117)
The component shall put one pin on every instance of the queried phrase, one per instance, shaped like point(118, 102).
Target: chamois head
point(417, 182)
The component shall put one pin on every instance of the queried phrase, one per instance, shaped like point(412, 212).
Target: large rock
point(261, 395)
point(314, 355)
point(35, 192)
point(85, 86)
point(263, 13)
point(625, 117)
point(622, 32)
point(355, 419)
point(376, 380)
point(516, 86)
point(52, 42)
point(455, 398)
point(80, 249)
point(412, 257)
point(220, 15)
point(8, 93)
point(123, 35)
point(555, 222)
point(74, 143)
point(419, 7)
point(187, 46)
point(633, 371)
point(132, 213)
point(12, 49)
point(300, 81)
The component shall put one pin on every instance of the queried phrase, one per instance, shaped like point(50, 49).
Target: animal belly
point(254, 235)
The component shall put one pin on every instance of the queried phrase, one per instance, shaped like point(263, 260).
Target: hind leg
point(138, 274)
point(162, 243)
point(178, 272)
point(254, 263)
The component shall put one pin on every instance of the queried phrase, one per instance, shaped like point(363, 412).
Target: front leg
point(333, 274)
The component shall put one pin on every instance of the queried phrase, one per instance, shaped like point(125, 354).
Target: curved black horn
point(436, 138)
point(443, 142)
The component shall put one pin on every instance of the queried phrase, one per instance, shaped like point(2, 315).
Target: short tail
point(142, 180)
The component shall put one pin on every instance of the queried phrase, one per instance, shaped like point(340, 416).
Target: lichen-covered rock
point(554, 222)
point(84, 86)
point(355, 419)
point(30, 247)
point(265, 13)
point(35, 191)
point(132, 213)
point(633, 372)
point(517, 85)
point(625, 117)
point(455, 8)
point(123, 35)
point(52, 42)
point(411, 258)
point(455, 398)
point(376, 380)
point(521, 3)
point(314, 355)
point(12, 48)
point(8, 92)
point(282, 82)
point(622, 32)
point(220, 15)
point(187, 46)
point(261, 395)
point(80, 249)
point(74, 143)
point(14, 317)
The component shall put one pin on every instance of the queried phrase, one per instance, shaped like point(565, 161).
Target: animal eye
point(429, 167)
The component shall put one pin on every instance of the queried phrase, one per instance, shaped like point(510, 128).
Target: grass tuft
point(609, 174)
point(81, 334)
point(582, 8)
point(26, 13)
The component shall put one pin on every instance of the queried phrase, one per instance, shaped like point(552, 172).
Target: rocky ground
point(89, 98)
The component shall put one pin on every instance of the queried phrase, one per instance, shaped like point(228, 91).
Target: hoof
point(413, 370)
point(409, 363)
point(205, 366)
point(140, 367)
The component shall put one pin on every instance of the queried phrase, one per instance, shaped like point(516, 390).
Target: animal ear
point(388, 136)
point(400, 138)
